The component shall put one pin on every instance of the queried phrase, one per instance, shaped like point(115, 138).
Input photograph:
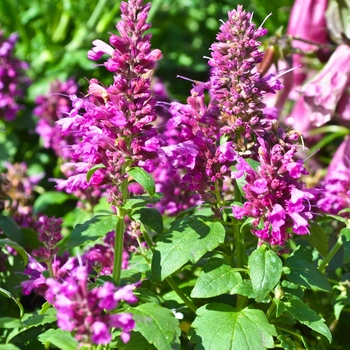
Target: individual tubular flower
point(235, 86)
point(275, 198)
point(323, 92)
point(87, 312)
point(12, 79)
point(334, 189)
point(51, 108)
point(307, 21)
point(115, 126)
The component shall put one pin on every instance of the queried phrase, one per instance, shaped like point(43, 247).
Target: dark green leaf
point(7, 294)
point(33, 320)
point(265, 270)
point(144, 179)
point(216, 278)
point(220, 326)
point(149, 217)
point(318, 238)
point(92, 171)
point(20, 250)
point(11, 229)
point(292, 289)
point(279, 307)
point(60, 338)
point(92, 230)
point(49, 198)
point(345, 236)
point(301, 270)
point(339, 303)
point(158, 325)
point(187, 239)
point(31, 238)
point(302, 313)
point(286, 342)
point(137, 341)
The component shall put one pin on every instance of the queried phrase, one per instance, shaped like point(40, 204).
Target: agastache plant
point(115, 127)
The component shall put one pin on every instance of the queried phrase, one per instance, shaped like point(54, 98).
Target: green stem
point(49, 267)
point(118, 245)
point(179, 292)
point(330, 255)
point(239, 236)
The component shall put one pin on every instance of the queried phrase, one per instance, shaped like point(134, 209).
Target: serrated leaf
point(302, 313)
point(188, 239)
point(11, 229)
point(244, 288)
point(20, 250)
point(318, 238)
point(7, 294)
point(286, 342)
point(220, 326)
point(33, 320)
point(149, 217)
point(158, 325)
point(301, 270)
point(60, 338)
point(216, 278)
point(144, 179)
point(345, 236)
point(92, 230)
point(49, 198)
point(92, 171)
point(265, 270)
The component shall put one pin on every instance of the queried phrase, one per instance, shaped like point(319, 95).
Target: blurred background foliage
point(55, 36)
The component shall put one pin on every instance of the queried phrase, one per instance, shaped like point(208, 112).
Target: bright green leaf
point(11, 229)
point(220, 326)
point(188, 239)
point(92, 230)
point(301, 270)
point(318, 238)
point(149, 217)
point(302, 313)
point(92, 171)
point(60, 338)
point(20, 250)
point(244, 288)
point(33, 320)
point(49, 198)
point(7, 294)
point(10, 322)
point(265, 270)
point(158, 325)
point(9, 347)
point(216, 278)
point(142, 177)
point(345, 236)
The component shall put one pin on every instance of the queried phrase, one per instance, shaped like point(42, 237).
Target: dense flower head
point(275, 197)
point(236, 88)
point(86, 311)
point(12, 79)
point(115, 122)
point(50, 108)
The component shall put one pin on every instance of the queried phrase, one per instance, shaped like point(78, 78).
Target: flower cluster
point(115, 127)
point(51, 108)
point(12, 79)
point(275, 197)
point(89, 312)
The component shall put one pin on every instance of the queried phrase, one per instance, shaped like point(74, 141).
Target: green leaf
point(33, 320)
point(345, 236)
point(339, 303)
point(31, 238)
point(7, 294)
point(10, 322)
point(20, 250)
point(9, 347)
point(61, 339)
point(265, 270)
point(92, 171)
point(144, 179)
point(220, 326)
point(301, 270)
point(286, 342)
point(137, 341)
point(187, 239)
point(92, 230)
point(11, 229)
point(49, 198)
point(244, 288)
point(302, 313)
point(158, 325)
point(149, 217)
point(241, 180)
point(318, 238)
point(216, 278)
